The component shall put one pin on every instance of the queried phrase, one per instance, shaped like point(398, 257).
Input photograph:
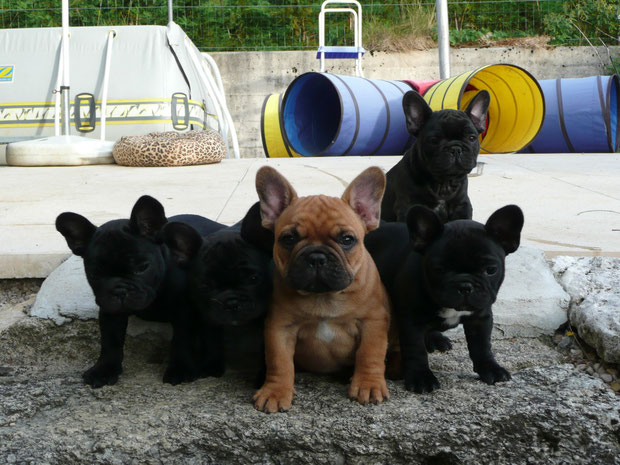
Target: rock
point(12, 314)
point(594, 286)
point(530, 302)
point(66, 294)
point(548, 413)
point(607, 377)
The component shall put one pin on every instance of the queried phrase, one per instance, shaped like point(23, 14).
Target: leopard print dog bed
point(170, 149)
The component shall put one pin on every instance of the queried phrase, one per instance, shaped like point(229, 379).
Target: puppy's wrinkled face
point(447, 140)
point(319, 240)
point(449, 144)
point(124, 262)
point(123, 269)
point(463, 260)
point(464, 268)
point(319, 244)
point(230, 280)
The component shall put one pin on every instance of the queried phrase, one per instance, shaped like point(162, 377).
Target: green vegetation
point(292, 24)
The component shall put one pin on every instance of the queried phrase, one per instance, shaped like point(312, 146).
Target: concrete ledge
point(570, 201)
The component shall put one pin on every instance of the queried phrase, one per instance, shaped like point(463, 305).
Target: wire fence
point(220, 25)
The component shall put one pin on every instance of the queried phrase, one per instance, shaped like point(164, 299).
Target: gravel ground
point(14, 291)
point(555, 410)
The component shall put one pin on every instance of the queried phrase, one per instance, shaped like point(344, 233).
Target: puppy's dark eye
point(253, 278)
point(347, 241)
point(432, 140)
point(289, 239)
point(141, 267)
point(490, 270)
point(472, 138)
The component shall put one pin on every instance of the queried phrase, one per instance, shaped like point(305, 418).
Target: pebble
point(590, 370)
point(615, 386)
point(565, 342)
point(607, 377)
point(582, 367)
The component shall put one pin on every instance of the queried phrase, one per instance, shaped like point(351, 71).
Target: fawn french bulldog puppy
point(329, 309)
point(439, 276)
point(131, 272)
point(433, 172)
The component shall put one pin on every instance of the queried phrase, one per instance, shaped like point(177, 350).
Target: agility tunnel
point(517, 107)
point(582, 116)
point(274, 139)
point(325, 114)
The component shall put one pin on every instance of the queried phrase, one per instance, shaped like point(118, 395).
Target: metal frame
point(357, 32)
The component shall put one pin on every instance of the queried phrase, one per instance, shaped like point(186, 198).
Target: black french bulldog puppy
point(229, 278)
point(433, 172)
point(131, 272)
point(440, 275)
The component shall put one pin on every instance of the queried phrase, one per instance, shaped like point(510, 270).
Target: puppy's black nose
point(465, 288)
point(232, 303)
point(317, 259)
point(120, 292)
point(457, 151)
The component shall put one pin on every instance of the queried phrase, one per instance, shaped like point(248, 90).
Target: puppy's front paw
point(421, 381)
point(272, 398)
point(492, 372)
point(102, 374)
point(437, 341)
point(368, 389)
point(178, 373)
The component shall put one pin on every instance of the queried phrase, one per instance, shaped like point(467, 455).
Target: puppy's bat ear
point(424, 227)
point(253, 232)
point(364, 195)
point(477, 110)
point(182, 240)
point(77, 230)
point(147, 217)
point(275, 194)
point(417, 111)
point(505, 227)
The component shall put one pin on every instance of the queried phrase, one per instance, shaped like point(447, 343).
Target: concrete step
point(570, 201)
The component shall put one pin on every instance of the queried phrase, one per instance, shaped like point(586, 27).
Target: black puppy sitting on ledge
point(229, 286)
point(433, 172)
point(132, 273)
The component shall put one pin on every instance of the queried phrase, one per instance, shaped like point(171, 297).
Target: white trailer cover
point(153, 83)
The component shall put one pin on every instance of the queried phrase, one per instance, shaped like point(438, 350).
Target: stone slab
point(594, 287)
point(549, 413)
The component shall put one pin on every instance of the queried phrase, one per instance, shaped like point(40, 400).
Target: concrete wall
point(250, 76)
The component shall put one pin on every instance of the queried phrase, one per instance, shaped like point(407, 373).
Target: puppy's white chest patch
point(325, 332)
point(452, 317)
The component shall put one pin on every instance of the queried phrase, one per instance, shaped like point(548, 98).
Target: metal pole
point(64, 87)
point(169, 11)
point(443, 38)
